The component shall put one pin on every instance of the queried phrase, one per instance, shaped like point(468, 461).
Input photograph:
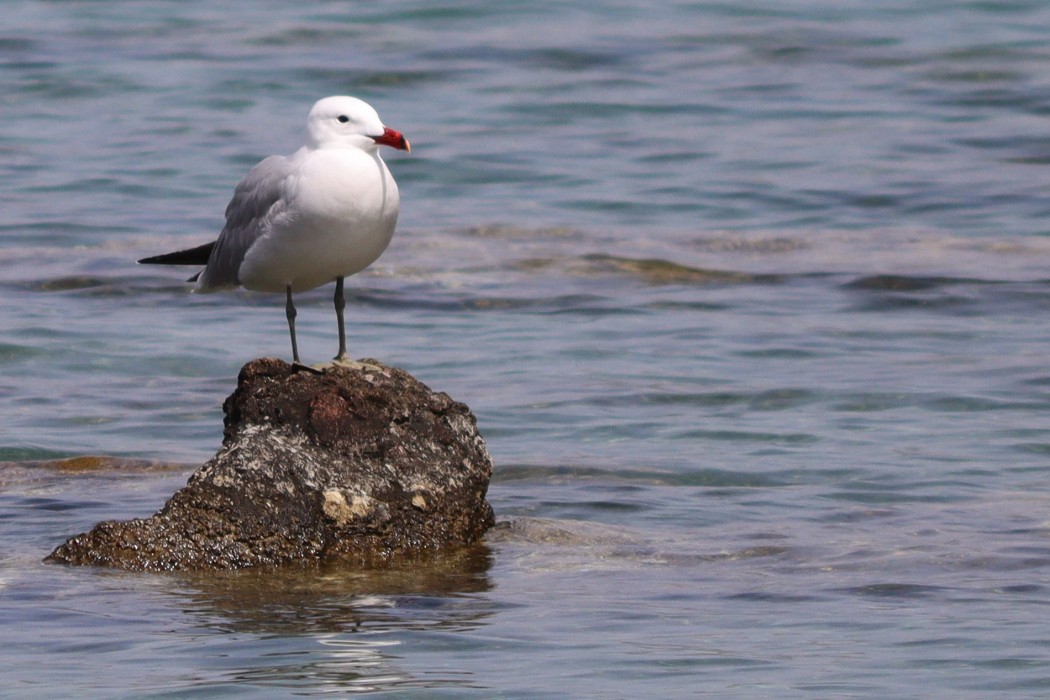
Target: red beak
point(394, 139)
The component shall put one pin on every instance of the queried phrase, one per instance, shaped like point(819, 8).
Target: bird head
point(343, 121)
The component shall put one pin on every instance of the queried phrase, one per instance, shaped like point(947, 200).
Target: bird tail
point(190, 256)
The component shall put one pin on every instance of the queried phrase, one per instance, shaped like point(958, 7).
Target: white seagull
point(297, 222)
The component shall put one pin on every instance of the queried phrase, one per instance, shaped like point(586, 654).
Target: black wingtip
point(190, 256)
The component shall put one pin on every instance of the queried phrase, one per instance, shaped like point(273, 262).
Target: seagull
point(319, 215)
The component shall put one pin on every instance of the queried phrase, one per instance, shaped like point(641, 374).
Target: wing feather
point(256, 199)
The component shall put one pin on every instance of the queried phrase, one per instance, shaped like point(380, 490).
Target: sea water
point(750, 300)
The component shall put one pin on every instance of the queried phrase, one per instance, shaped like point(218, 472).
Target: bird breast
point(337, 216)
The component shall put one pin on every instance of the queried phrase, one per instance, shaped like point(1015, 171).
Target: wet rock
point(359, 462)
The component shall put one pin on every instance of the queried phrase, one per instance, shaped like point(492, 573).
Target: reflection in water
point(337, 627)
point(335, 597)
point(357, 662)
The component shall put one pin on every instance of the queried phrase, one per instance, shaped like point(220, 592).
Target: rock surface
point(360, 462)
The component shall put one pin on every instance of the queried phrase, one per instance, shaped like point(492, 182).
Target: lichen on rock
point(359, 462)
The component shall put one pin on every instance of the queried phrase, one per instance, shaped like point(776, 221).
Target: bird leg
point(340, 304)
point(289, 310)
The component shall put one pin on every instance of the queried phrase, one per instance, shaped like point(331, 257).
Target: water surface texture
point(750, 300)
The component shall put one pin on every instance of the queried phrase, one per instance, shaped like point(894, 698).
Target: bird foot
point(352, 364)
point(300, 367)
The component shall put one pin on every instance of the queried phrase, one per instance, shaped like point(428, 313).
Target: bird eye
point(343, 118)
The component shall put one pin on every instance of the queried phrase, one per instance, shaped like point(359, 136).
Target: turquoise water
point(748, 299)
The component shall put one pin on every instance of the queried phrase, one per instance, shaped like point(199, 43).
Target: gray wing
point(248, 215)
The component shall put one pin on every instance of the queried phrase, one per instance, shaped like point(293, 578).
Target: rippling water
point(749, 301)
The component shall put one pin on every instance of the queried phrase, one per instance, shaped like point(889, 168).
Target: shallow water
point(748, 302)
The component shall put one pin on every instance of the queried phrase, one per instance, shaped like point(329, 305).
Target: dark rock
point(359, 462)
